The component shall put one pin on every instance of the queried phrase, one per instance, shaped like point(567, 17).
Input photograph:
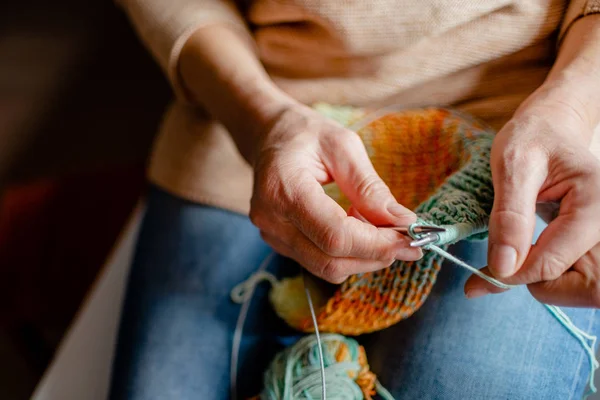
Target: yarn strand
point(321, 372)
point(473, 270)
point(582, 337)
point(242, 293)
point(319, 344)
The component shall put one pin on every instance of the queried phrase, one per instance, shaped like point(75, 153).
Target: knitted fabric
point(436, 162)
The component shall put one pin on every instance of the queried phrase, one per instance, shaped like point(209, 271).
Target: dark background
point(80, 100)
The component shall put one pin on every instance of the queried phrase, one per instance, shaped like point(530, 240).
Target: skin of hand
point(294, 151)
point(302, 151)
point(543, 155)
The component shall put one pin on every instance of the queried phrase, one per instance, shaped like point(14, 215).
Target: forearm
point(221, 73)
point(574, 80)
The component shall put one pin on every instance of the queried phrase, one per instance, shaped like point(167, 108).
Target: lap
point(178, 319)
point(178, 323)
point(504, 346)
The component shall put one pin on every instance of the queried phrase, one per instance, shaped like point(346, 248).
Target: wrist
point(230, 83)
point(259, 109)
point(261, 104)
point(574, 80)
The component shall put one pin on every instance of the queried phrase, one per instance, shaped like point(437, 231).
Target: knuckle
point(379, 250)
point(385, 255)
point(334, 242)
point(344, 143)
point(351, 140)
point(520, 157)
point(333, 271)
point(505, 219)
point(551, 267)
point(274, 190)
point(371, 187)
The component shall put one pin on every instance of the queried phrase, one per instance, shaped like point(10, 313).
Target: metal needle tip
point(429, 238)
point(428, 229)
point(419, 229)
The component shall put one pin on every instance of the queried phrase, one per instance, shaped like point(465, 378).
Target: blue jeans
point(178, 322)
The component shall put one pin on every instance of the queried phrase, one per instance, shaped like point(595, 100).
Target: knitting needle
point(418, 229)
point(426, 239)
point(430, 234)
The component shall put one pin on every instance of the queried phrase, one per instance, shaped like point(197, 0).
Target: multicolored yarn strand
point(587, 341)
point(435, 161)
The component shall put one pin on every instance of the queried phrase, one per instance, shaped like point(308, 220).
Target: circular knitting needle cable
point(319, 344)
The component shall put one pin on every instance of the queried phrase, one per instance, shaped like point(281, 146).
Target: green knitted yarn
point(463, 203)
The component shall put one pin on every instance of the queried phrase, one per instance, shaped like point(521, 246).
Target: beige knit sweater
point(481, 56)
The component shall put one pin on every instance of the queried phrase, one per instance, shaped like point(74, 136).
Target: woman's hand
point(541, 156)
point(294, 150)
point(300, 151)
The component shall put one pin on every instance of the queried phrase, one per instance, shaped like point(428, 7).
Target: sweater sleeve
point(578, 9)
point(164, 27)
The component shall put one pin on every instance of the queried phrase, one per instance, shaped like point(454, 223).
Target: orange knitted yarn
point(414, 152)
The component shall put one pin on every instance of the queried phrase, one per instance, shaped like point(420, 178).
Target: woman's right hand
point(299, 151)
point(294, 150)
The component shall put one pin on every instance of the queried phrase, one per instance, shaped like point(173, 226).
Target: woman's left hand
point(542, 155)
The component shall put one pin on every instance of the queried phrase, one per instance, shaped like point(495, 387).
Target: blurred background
point(80, 101)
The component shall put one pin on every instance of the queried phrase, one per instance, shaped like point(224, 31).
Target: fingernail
point(398, 211)
point(474, 293)
point(503, 260)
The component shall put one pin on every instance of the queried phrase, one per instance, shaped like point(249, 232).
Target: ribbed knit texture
point(435, 161)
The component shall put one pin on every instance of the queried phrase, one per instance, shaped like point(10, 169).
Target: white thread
point(319, 344)
point(559, 314)
point(244, 290)
point(581, 336)
point(474, 270)
point(242, 293)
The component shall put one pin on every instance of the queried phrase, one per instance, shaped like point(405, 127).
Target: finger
point(572, 289)
point(570, 235)
point(477, 287)
point(326, 224)
point(352, 170)
point(577, 287)
point(518, 175)
point(331, 269)
point(559, 246)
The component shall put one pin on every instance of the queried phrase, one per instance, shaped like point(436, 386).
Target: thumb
point(517, 180)
point(353, 172)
